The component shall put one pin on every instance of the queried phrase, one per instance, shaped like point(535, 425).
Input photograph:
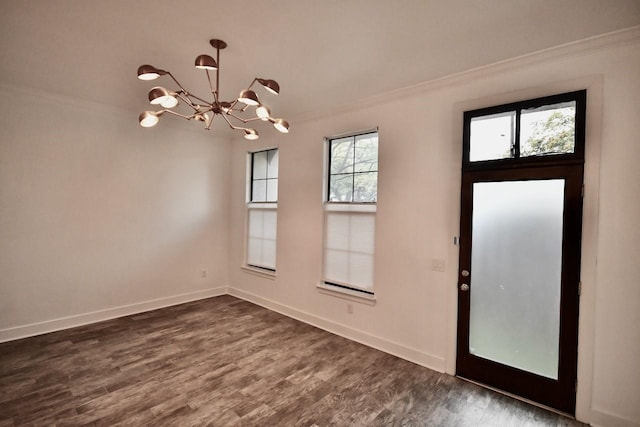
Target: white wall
point(100, 217)
point(418, 215)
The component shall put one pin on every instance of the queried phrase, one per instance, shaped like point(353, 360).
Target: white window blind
point(349, 249)
point(261, 245)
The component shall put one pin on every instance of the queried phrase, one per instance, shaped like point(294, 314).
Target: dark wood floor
point(224, 362)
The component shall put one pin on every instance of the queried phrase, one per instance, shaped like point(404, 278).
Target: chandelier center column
point(217, 45)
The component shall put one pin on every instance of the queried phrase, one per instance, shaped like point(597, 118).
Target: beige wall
point(99, 217)
point(418, 214)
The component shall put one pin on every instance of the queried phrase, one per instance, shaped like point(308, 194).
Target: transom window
point(536, 130)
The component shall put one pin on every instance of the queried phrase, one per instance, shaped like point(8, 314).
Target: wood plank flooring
point(226, 362)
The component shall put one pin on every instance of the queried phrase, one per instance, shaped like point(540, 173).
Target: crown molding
point(577, 48)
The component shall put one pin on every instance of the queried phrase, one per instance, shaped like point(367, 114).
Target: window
point(350, 208)
point(262, 210)
point(533, 131)
point(353, 169)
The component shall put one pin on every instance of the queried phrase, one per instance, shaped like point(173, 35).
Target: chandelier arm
point(177, 82)
point(235, 127)
point(253, 119)
point(213, 92)
point(187, 100)
point(241, 110)
point(233, 105)
point(208, 120)
point(198, 98)
point(224, 116)
point(175, 114)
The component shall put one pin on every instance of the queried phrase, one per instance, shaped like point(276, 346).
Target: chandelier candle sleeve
point(200, 109)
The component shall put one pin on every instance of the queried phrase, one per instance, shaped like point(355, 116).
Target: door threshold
point(520, 398)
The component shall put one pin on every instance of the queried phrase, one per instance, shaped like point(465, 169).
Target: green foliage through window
point(554, 134)
point(520, 130)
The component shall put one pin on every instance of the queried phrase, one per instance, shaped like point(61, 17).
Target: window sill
point(259, 272)
point(346, 294)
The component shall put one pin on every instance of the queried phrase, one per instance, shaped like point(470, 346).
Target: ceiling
point(324, 53)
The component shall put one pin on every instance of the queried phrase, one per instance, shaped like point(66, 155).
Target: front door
point(520, 234)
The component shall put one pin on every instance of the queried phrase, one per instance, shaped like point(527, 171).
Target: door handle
point(464, 287)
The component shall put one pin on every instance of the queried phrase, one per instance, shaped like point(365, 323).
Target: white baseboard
point(40, 328)
point(399, 350)
point(601, 418)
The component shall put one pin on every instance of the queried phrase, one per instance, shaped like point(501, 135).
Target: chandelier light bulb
point(263, 112)
point(270, 85)
point(248, 97)
point(205, 62)
point(148, 119)
point(161, 96)
point(207, 120)
point(281, 125)
point(148, 72)
point(169, 102)
point(250, 134)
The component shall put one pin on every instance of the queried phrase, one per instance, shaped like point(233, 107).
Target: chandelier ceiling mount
point(199, 109)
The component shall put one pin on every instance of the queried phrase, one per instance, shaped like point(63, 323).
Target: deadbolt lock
point(464, 287)
point(465, 273)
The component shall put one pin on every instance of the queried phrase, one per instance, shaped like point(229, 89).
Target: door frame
point(593, 142)
point(492, 166)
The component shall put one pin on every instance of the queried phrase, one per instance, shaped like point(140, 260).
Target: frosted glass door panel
point(515, 273)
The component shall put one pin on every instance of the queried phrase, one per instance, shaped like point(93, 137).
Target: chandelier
point(205, 111)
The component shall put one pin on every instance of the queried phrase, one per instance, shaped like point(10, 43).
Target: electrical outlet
point(437, 265)
point(350, 308)
point(203, 273)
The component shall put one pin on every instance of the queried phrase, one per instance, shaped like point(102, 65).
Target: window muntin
point(353, 169)
point(527, 131)
point(262, 214)
point(352, 193)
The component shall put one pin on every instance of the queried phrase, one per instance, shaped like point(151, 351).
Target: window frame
point(333, 287)
point(579, 97)
point(252, 205)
